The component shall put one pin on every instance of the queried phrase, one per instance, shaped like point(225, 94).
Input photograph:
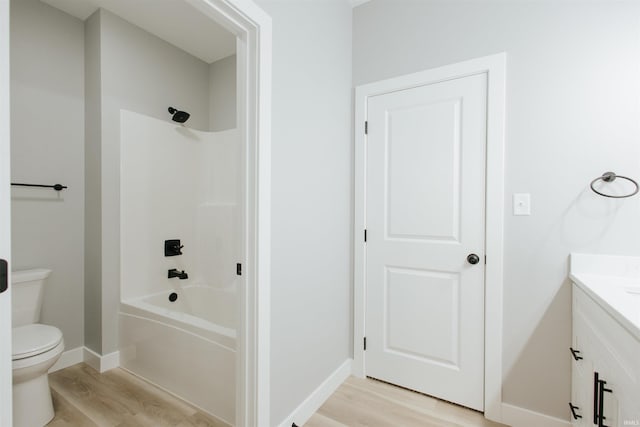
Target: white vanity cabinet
point(605, 354)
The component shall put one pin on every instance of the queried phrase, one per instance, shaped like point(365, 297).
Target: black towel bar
point(57, 187)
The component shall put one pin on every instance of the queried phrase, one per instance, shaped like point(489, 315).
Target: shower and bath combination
point(179, 283)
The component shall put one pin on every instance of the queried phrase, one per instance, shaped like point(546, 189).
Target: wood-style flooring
point(366, 402)
point(83, 397)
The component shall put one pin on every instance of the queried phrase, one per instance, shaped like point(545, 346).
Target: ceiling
point(174, 21)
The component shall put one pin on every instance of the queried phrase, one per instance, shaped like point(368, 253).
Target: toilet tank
point(26, 299)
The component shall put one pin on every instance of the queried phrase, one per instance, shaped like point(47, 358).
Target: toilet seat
point(32, 340)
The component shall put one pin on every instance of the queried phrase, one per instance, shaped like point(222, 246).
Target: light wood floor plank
point(85, 398)
point(372, 403)
point(78, 386)
point(357, 407)
point(119, 399)
point(67, 415)
point(202, 420)
point(319, 420)
point(146, 393)
point(401, 396)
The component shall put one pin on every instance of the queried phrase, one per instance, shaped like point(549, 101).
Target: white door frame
point(495, 68)
point(5, 218)
point(252, 26)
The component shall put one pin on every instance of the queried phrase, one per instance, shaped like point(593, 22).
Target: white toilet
point(36, 348)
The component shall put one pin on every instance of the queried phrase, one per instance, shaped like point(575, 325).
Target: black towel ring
point(610, 177)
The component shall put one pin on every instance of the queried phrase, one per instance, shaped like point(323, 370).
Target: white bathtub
point(187, 347)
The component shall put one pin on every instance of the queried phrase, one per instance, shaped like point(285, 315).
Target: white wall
point(177, 183)
point(311, 197)
point(222, 94)
point(142, 73)
point(572, 114)
point(93, 189)
point(47, 125)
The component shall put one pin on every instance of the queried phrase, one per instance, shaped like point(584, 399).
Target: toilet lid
point(31, 340)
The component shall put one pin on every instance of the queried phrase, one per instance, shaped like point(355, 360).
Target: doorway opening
point(111, 82)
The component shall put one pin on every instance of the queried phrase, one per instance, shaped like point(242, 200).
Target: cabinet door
point(581, 369)
point(581, 393)
point(620, 398)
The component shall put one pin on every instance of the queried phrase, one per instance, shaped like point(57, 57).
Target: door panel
point(426, 298)
point(412, 167)
point(425, 187)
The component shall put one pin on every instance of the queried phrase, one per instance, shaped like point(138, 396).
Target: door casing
point(253, 29)
point(495, 68)
point(5, 219)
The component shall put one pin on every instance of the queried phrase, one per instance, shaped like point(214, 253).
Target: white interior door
point(425, 204)
point(5, 211)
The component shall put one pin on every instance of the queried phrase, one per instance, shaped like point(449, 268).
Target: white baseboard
point(91, 358)
point(101, 363)
point(312, 403)
point(520, 417)
point(69, 358)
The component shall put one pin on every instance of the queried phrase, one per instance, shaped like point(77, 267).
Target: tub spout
point(177, 273)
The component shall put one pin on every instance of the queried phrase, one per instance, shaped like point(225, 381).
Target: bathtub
point(187, 347)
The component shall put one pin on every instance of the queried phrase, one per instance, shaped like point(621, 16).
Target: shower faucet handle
point(172, 247)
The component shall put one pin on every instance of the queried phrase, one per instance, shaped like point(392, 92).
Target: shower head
point(178, 116)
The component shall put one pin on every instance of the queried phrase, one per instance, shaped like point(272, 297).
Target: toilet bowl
point(35, 349)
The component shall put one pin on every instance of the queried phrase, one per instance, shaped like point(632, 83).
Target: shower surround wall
point(222, 94)
point(177, 183)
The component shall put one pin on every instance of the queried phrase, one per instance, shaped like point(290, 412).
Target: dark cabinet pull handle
point(601, 393)
point(575, 353)
point(596, 386)
point(573, 411)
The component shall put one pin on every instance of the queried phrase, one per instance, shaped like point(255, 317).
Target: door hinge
point(238, 269)
point(573, 411)
point(365, 343)
point(365, 235)
point(366, 128)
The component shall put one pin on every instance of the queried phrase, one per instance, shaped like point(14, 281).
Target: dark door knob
point(473, 259)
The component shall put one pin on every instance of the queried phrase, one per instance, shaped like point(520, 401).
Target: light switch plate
point(522, 204)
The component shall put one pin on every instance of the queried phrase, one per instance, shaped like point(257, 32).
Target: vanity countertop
point(614, 283)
